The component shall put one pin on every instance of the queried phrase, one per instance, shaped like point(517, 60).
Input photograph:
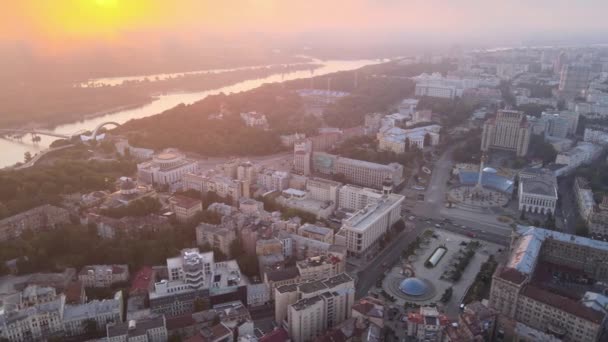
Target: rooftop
point(563, 303)
point(372, 212)
point(135, 328)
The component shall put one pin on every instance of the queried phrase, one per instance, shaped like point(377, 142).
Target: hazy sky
point(64, 24)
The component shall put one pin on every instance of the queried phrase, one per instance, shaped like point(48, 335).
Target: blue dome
point(413, 287)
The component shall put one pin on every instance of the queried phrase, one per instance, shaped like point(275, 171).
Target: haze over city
point(303, 171)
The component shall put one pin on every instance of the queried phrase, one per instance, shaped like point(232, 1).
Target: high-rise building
point(574, 78)
point(302, 153)
point(509, 130)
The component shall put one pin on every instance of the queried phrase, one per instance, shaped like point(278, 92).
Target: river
point(12, 151)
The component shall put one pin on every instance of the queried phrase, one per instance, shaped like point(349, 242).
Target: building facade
point(509, 130)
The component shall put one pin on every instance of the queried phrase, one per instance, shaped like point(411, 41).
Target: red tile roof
point(277, 335)
point(563, 303)
point(142, 279)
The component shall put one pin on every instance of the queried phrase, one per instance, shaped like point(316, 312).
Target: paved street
point(371, 272)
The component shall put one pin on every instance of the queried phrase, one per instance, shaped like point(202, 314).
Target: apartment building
point(322, 306)
point(323, 189)
point(321, 267)
point(149, 329)
point(426, 324)
point(217, 236)
point(103, 275)
point(318, 233)
point(221, 185)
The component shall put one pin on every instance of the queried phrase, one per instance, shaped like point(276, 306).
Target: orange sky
point(65, 23)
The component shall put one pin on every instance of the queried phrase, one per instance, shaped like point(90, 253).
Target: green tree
point(27, 156)
point(582, 229)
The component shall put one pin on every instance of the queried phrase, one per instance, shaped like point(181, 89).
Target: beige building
point(518, 296)
point(426, 324)
point(323, 189)
point(509, 130)
point(185, 208)
point(221, 185)
point(165, 168)
point(321, 267)
point(538, 194)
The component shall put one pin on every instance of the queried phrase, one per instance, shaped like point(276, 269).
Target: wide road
point(437, 187)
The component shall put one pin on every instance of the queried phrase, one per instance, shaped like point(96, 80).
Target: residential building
point(103, 275)
point(509, 130)
point(536, 285)
point(150, 329)
point(560, 124)
point(354, 197)
point(257, 294)
point(371, 309)
point(368, 174)
point(426, 324)
point(320, 267)
point(185, 208)
point(43, 217)
point(596, 135)
point(476, 323)
point(166, 168)
point(33, 323)
point(217, 333)
point(128, 226)
point(318, 233)
point(366, 226)
point(538, 194)
point(288, 140)
point(273, 180)
point(302, 153)
point(574, 78)
point(223, 186)
point(310, 308)
point(217, 237)
point(320, 308)
point(598, 220)
point(255, 119)
point(323, 189)
point(102, 312)
point(584, 198)
point(372, 123)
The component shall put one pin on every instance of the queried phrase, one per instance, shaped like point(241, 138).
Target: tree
point(550, 222)
point(27, 156)
point(522, 216)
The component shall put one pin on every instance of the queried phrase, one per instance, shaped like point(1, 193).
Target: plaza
point(414, 281)
point(478, 197)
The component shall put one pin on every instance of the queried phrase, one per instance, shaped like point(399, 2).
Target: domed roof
point(489, 170)
point(413, 287)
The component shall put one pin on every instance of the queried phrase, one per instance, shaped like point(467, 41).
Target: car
point(412, 218)
point(462, 306)
point(437, 225)
point(471, 234)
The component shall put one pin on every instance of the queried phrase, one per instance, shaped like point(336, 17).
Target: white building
point(560, 124)
point(101, 312)
point(596, 136)
point(103, 275)
point(257, 294)
point(366, 226)
point(368, 174)
point(323, 189)
point(538, 194)
point(255, 119)
point(426, 324)
point(397, 139)
point(33, 323)
point(273, 180)
point(408, 106)
point(166, 168)
point(354, 197)
point(312, 307)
